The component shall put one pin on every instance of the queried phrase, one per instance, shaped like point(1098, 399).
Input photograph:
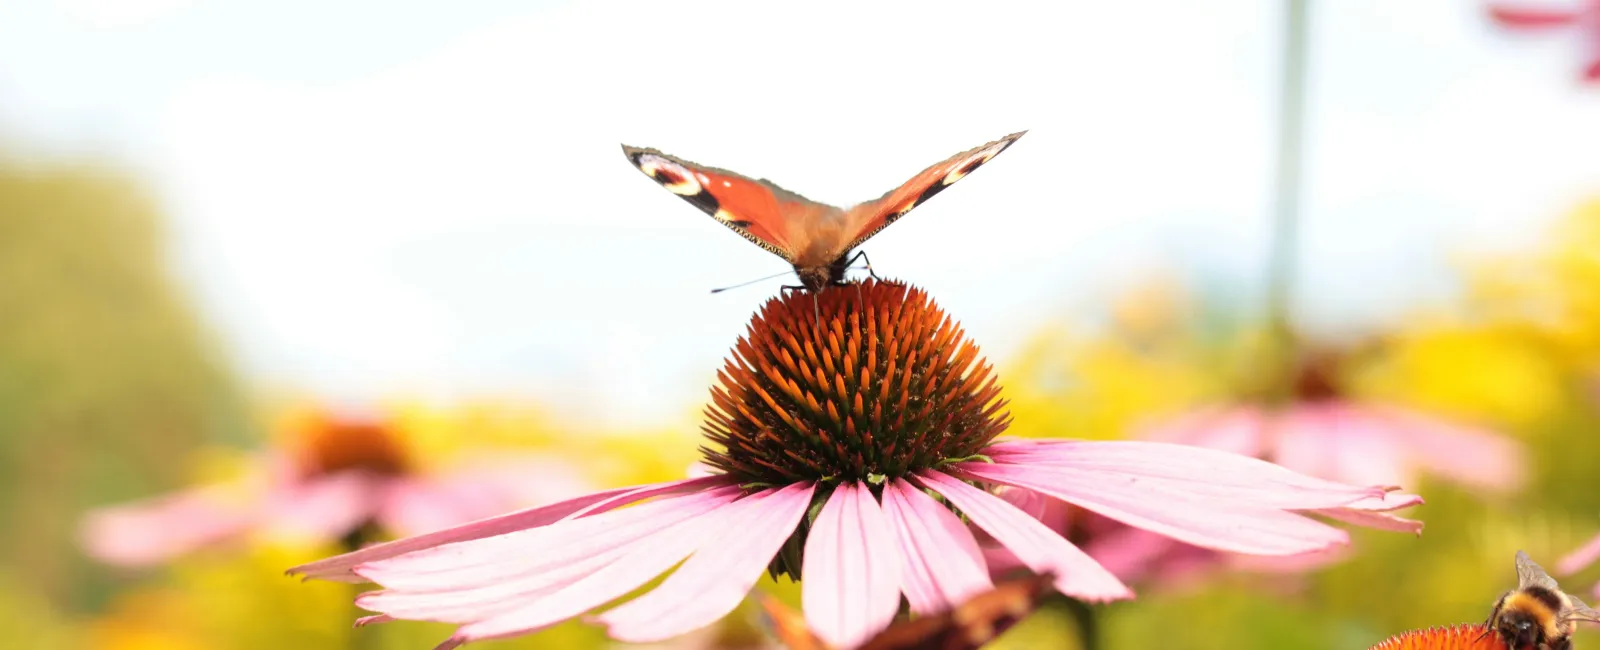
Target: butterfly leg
point(862, 255)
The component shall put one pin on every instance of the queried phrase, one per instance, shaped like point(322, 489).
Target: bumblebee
point(1537, 615)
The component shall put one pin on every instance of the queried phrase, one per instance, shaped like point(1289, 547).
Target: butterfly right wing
point(758, 210)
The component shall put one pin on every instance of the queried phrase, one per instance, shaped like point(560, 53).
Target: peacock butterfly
point(815, 238)
point(967, 626)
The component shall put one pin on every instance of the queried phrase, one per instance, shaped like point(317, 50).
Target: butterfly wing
point(865, 220)
point(788, 626)
point(1530, 574)
point(768, 215)
point(972, 623)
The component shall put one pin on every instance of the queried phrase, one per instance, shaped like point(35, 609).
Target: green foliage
point(105, 377)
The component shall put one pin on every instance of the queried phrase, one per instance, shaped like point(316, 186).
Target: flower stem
point(1087, 622)
point(1286, 192)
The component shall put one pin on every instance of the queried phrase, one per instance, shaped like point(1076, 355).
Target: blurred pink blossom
point(1354, 442)
point(1580, 559)
point(1583, 17)
point(338, 475)
point(866, 545)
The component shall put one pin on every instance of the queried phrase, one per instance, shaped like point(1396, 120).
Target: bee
point(1537, 615)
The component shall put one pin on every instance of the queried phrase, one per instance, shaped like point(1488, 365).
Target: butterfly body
point(814, 237)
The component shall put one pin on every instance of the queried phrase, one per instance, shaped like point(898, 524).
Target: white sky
point(374, 199)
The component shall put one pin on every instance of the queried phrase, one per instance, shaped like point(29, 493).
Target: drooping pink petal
point(1042, 549)
point(161, 528)
point(1196, 518)
point(941, 565)
point(564, 591)
point(338, 568)
point(522, 561)
point(1139, 468)
point(852, 569)
point(718, 576)
point(1583, 557)
point(1375, 520)
point(325, 507)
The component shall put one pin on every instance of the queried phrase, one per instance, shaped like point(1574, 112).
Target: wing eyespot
point(972, 163)
point(676, 178)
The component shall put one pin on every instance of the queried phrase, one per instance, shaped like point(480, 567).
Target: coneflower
point(854, 444)
point(1467, 636)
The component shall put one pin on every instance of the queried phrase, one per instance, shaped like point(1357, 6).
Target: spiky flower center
point(324, 444)
point(856, 383)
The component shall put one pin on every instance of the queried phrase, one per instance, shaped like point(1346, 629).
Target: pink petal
point(1577, 560)
point(641, 562)
point(941, 566)
point(718, 576)
point(852, 569)
point(1042, 549)
point(1369, 519)
point(1353, 446)
point(1533, 17)
point(339, 567)
point(161, 528)
point(1195, 518)
point(1136, 468)
point(326, 507)
point(515, 559)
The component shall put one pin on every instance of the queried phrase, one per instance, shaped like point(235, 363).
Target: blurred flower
point(1584, 17)
point(835, 423)
point(332, 477)
point(1323, 432)
point(1456, 637)
point(1580, 559)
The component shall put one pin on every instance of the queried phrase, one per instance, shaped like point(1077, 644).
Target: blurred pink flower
point(523, 571)
point(1353, 442)
point(1323, 432)
point(1580, 559)
point(337, 476)
point(1583, 16)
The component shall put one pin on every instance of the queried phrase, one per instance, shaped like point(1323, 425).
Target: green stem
point(1087, 622)
point(1286, 192)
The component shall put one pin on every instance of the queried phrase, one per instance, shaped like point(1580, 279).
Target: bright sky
point(374, 199)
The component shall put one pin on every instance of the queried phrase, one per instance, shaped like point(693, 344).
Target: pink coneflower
point(1583, 16)
point(1323, 432)
point(1580, 559)
point(847, 431)
point(335, 477)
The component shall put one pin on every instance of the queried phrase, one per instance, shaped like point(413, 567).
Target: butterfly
point(968, 626)
point(816, 238)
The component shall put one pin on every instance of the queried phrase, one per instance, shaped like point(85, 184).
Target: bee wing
point(1530, 574)
point(1578, 611)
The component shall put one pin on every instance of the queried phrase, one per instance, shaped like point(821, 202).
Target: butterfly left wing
point(867, 219)
point(769, 216)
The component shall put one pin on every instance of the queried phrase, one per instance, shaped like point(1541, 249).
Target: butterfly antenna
point(746, 284)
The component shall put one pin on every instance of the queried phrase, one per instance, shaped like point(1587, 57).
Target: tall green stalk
point(1286, 197)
